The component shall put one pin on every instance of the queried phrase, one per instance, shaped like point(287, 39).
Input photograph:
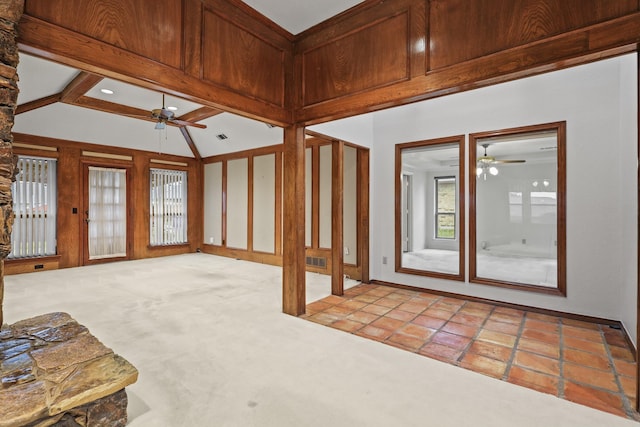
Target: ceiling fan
point(164, 115)
point(487, 163)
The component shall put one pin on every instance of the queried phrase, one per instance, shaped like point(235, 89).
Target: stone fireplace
point(54, 372)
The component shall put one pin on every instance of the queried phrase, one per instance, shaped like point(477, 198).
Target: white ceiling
point(296, 16)
point(40, 78)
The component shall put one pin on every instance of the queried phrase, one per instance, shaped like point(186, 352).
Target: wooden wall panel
point(159, 46)
point(242, 60)
point(375, 56)
point(458, 45)
point(462, 30)
point(69, 239)
point(147, 27)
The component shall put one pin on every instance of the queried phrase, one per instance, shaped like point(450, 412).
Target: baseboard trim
point(548, 312)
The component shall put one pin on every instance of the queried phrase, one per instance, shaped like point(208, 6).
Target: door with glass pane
point(105, 214)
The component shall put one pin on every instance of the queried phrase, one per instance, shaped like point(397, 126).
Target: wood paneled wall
point(382, 54)
point(70, 195)
point(378, 54)
point(244, 56)
point(216, 52)
point(464, 30)
point(144, 27)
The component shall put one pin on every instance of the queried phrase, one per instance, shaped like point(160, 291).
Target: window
point(34, 205)
point(445, 207)
point(168, 213)
point(515, 207)
point(544, 206)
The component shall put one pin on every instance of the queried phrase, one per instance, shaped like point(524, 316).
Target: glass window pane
point(34, 205)
point(517, 234)
point(430, 175)
point(445, 207)
point(168, 207)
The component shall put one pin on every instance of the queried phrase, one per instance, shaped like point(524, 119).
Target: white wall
point(628, 195)
point(237, 203)
point(495, 227)
point(598, 102)
point(213, 203)
point(264, 203)
point(419, 208)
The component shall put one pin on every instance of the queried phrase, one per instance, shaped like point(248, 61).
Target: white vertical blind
point(107, 213)
point(34, 205)
point(168, 207)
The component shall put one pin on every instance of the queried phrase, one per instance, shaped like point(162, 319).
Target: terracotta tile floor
point(583, 362)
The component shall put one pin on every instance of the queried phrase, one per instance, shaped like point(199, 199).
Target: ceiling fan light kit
point(165, 115)
point(486, 164)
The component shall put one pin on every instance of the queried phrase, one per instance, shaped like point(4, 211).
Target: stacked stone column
point(10, 13)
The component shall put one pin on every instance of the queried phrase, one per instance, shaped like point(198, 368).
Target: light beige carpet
point(213, 349)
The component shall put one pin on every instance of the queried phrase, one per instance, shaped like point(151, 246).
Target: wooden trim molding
point(109, 156)
point(168, 163)
point(337, 218)
point(363, 213)
point(250, 186)
point(30, 265)
point(35, 147)
point(244, 154)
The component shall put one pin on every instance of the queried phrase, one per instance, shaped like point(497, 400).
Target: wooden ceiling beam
point(192, 145)
point(199, 114)
point(121, 110)
point(112, 107)
point(80, 85)
point(38, 103)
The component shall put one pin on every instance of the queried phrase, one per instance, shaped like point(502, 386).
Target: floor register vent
point(319, 262)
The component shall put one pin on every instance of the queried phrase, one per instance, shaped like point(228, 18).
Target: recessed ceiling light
point(106, 91)
point(172, 108)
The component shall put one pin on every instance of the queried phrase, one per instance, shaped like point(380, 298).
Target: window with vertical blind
point(34, 206)
point(168, 203)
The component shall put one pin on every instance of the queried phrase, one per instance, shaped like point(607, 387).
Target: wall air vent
point(222, 136)
point(318, 262)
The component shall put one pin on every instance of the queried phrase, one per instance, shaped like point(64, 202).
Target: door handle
point(87, 218)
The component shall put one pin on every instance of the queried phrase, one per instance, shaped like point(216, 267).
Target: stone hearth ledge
point(49, 365)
